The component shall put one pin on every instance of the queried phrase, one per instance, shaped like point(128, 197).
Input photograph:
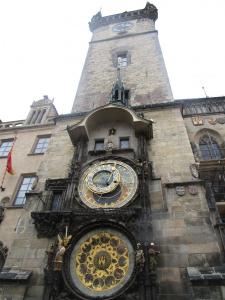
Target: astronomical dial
point(108, 184)
point(122, 27)
point(103, 179)
point(101, 263)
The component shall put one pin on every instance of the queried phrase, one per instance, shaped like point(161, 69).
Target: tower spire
point(118, 91)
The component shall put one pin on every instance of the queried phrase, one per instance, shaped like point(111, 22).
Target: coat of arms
point(192, 189)
point(180, 190)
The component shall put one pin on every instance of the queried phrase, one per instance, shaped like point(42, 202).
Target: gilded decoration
point(102, 262)
point(197, 121)
point(108, 184)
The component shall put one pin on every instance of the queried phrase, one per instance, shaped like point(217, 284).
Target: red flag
point(9, 168)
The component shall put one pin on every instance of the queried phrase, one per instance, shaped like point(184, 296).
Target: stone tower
point(130, 42)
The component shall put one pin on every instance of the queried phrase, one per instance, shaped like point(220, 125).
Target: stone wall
point(23, 162)
point(182, 226)
point(170, 149)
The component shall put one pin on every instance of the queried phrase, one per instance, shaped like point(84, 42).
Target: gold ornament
point(102, 261)
point(108, 184)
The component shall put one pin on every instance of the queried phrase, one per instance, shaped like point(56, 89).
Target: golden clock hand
point(113, 169)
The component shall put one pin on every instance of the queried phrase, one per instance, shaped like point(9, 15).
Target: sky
point(44, 45)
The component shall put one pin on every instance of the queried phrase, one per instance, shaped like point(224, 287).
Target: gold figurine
point(61, 249)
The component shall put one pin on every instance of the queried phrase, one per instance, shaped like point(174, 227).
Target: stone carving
point(3, 253)
point(140, 257)
point(2, 212)
point(112, 131)
point(194, 170)
point(197, 121)
point(220, 120)
point(192, 189)
point(153, 253)
point(109, 146)
point(180, 190)
point(212, 121)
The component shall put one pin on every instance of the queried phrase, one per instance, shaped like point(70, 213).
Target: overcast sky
point(44, 44)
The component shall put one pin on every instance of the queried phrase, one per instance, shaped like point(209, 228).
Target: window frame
point(60, 194)
point(209, 148)
point(18, 188)
point(34, 147)
point(123, 63)
point(5, 141)
point(103, 143)
point(124, 138)
point(119, 52)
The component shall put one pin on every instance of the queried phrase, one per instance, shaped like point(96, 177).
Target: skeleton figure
point(140, 257)
point(61, 249)
point(153, 252)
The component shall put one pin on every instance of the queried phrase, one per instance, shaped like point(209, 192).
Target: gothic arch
point(106, 114)
point(209, 144)
point(206, 131)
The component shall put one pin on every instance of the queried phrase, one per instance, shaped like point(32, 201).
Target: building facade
point(123, 198)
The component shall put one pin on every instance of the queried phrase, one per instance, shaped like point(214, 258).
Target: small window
point(99, 145)
point(41, 145)
point(56, 201)
point(124, 143)
point(122, 60)
point(5, 147)
point(25, 186)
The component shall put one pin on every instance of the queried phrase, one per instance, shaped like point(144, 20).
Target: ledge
point(12, 274)
point(213, 275)
point(191, 182)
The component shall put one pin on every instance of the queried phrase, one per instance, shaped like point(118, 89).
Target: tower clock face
point(108, 184)
point(122, 27)
point(101, 263)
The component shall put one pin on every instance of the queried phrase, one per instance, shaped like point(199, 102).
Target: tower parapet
point(150, 12)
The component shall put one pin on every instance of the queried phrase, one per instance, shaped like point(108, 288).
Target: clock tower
point(118, 191)
point(128, 41)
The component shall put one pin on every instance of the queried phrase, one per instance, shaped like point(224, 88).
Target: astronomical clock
point(103, 224)
point(100, 262)
point(108, 184)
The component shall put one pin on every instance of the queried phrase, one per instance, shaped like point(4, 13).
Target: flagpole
point(3, 179)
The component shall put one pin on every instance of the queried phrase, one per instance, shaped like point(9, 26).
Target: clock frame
point(97, 189)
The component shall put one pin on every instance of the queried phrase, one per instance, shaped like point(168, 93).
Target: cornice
point(150, 12)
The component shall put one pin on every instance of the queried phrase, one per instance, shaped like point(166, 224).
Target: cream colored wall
point(170, 148)
point(59, 153)
point(23, 163)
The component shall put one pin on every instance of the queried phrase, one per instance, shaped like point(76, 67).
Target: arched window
point(209, 148)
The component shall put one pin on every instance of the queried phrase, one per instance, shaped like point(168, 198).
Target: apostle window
point(25, 186)
point(5, 147)
point(99, 145)
point(209, 148)
point(41, 145)
point(124, 143)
